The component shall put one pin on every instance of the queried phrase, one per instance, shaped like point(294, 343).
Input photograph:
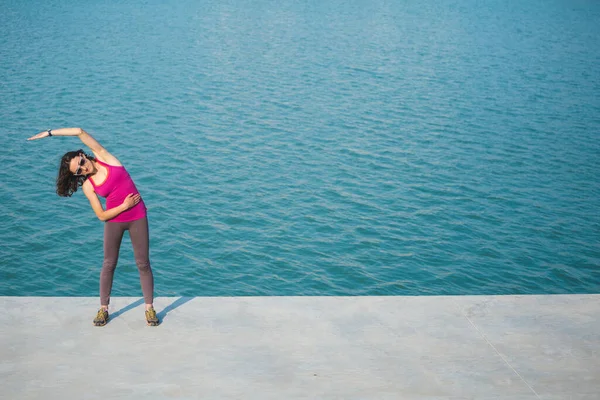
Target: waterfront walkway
point(438, 347)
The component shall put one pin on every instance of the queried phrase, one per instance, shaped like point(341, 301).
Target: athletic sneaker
point(151, 318)
point(101, 318)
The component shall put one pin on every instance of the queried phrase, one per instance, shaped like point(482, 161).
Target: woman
point(103, 175)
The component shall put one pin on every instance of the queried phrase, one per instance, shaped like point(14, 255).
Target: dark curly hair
point(66, 182)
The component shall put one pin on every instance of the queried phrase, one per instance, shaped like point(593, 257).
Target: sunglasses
point(81, 162)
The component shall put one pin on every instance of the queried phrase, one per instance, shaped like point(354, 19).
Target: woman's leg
point(113, 233)
point(138, 231)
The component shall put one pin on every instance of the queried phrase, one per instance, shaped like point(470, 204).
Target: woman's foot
point(101, 318)
point(151, 318)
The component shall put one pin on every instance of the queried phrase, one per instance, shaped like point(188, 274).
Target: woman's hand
point(39, 136)
point(131, 200)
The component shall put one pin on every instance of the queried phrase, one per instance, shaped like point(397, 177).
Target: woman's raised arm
point(99, 151)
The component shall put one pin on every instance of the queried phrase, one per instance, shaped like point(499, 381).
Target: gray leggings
point(113, 234)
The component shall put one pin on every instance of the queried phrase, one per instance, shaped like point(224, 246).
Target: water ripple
point(293, 149)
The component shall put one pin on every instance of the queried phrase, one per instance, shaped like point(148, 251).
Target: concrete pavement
point(438, 347)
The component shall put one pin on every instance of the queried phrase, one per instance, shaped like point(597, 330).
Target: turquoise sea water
point(309, 147)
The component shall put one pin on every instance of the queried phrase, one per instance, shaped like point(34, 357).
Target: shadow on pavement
point(127, 308)
point(179, 302)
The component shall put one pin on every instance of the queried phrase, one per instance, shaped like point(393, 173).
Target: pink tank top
point(115, 188)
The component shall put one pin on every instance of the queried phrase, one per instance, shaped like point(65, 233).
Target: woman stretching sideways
point(103, 175)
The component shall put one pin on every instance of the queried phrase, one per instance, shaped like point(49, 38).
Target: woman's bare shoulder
point(107, 158)
point(87, 186)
